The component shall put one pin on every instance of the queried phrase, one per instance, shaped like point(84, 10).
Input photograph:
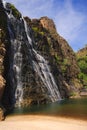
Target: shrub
point(37, 30)
point(57, 58)
point(15, 12)
point(73, 94)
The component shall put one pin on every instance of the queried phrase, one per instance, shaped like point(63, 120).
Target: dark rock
point(2, 117)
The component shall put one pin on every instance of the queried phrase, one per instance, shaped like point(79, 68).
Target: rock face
point(55, 48)
point(65, 53)
point(2, 49)
point(39, 65)
point(48, 24)
point(82, 52)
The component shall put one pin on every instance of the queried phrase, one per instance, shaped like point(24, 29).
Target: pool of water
point(72, 108)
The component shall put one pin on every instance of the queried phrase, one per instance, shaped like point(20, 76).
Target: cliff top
point(82, 52)
point(48, 24)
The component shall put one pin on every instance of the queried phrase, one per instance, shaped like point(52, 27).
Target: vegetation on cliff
point(82, 62)
point(11, 9)
point(57, 51)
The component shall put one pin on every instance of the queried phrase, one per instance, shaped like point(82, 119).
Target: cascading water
point(17, 65)
point(43, 70)
point(16, 59)
point(19, 37)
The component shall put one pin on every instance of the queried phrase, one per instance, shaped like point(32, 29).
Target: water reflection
point(74, 108)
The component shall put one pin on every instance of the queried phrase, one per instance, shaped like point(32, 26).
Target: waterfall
point(4, 3)
point(17, 65)
point(41, 67)
point(19, 37)
point(15, 60)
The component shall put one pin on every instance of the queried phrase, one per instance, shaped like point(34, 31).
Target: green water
point(72, 108)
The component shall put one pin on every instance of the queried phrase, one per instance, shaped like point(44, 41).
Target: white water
point(17, 66)
point(16, 60)
point(4, 3)
point(26, 30)
point(43, 70)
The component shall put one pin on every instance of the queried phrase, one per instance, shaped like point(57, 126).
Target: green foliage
point(37, 30)
point(84, 58)
point(42, 33)
point(83, 65)
point(82, 62)
point(81, 75)
point(15, 12)
point(65, 64)
point(49, 40)
point(64, 69)
point(57, 58)
point(85, 87)
point(73, 94)
point(83, 78)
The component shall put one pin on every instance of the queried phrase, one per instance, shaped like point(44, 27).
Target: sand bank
point(28, 122)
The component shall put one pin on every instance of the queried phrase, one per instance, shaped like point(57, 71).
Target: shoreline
point(27, 117)
point(40, 122)
point(75, 117)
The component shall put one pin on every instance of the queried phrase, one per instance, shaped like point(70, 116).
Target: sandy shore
point(29, 122)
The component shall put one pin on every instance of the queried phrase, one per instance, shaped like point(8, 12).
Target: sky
point(70, 17)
